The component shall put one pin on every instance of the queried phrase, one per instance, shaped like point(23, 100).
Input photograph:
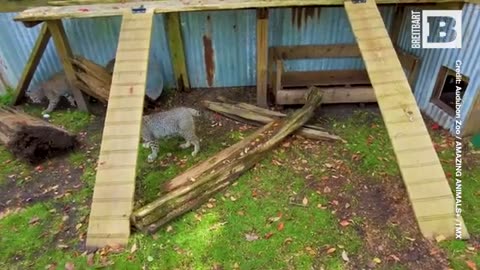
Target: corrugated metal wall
point(224, 42)
point(220, 45)
point(433, 59)
point(95, 39)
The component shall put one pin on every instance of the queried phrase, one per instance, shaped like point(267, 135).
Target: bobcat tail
point(193, 112)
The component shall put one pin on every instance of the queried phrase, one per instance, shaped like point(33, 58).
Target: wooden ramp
point(422, 173)
point(112, 201)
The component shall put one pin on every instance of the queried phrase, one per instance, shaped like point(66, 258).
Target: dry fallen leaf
point(134, 248)
point(471, 265)
point(331, 250)
point(305, 201)
point(251, 237)
point(377, 260)
point(62, 246)
point(344, 223)
point(209, 205)
point(69, 266)
point(280, 226)
point(169, 228)
point(310, 251)
point(34, 220)
point(345, 256)
point(268, 235)
point(79, 225)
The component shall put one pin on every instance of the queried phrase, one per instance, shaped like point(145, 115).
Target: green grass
point(367, 137)
point(216, 235)
point(23, 241)
point(7, 98)
point(9, 166)
point(72, 120)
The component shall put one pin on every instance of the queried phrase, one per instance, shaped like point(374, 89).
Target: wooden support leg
point(31, 66)
point(177, 52)
point(262, 56)
point(65, 54)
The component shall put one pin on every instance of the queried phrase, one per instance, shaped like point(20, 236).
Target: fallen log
point(33, 139)
point(263, 111)
point(251, 113)
point(198, 184)
point(92, 78)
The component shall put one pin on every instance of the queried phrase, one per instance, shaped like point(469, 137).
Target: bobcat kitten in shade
point(178, 121)
point(52, 89)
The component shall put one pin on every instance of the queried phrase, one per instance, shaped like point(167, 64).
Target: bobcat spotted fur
point(177, 121)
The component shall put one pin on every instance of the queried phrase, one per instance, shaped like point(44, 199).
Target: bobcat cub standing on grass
point(52, 89)
point(178, 121)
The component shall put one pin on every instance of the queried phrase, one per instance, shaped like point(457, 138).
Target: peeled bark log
point(218, 172)
point(33, 139)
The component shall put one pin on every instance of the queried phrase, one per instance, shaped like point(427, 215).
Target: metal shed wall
point(220, 46)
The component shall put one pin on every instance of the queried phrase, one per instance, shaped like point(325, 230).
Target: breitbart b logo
point(442, 29)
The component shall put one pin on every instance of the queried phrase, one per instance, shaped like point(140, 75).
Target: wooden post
point(31, 66)
point(262, 56)
point(65, 54)
point(177, 52)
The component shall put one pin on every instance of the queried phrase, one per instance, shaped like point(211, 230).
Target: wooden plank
point(103, 10)
point(65, 54)
point(314, 51)
point(32, 63)
point(331, 95)
point(177, 52)
point(262, 57)
point(324, 78)
point(112, 202)
point(433, 203)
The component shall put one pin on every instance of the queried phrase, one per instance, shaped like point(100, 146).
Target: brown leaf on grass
point(69, 266)
point(280, 226)
point(305, 201)
point(344, 223)
point(331, 250)
point(268, 235)
point(34, 220)
point(133, 248)
point(472, 265)
point(310, 251)
point(345, 256)
point(251, 237)
point(287, 240)
point(52, 266)
point(394, 257)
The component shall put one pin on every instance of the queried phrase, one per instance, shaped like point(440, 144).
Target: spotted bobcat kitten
point(178, 121)
point(52, 89)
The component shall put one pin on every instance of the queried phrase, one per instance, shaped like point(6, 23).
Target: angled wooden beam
point(32, 63)
point(177, 52)
point(262, 57)
point(65, 54)
point(427, 186)
point(113, 195)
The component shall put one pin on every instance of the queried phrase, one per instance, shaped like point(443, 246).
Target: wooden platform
point(422, 173)
point(112, 202)
point(165, 6)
